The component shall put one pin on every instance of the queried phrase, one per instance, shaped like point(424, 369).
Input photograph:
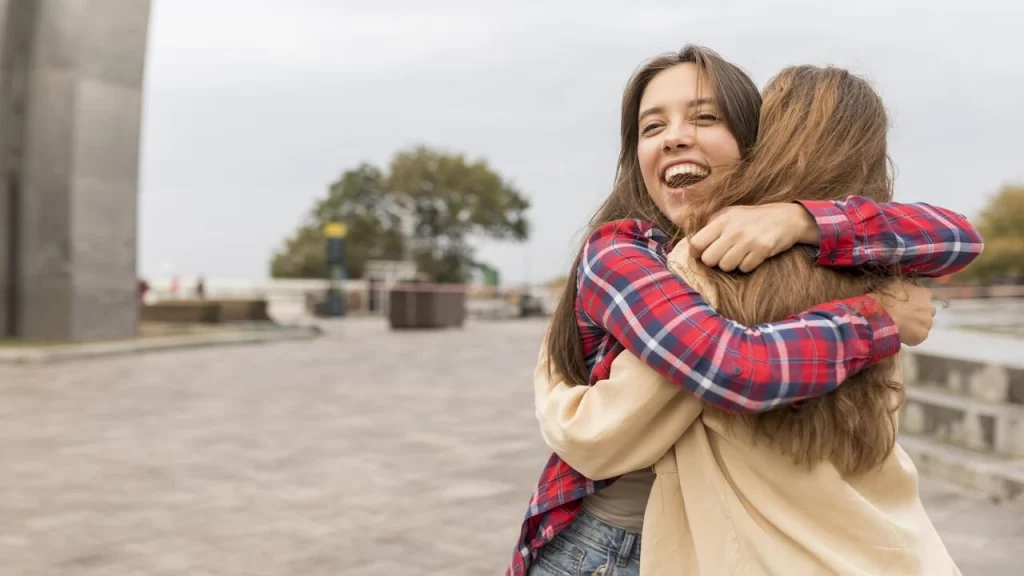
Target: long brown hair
point(822, 136)
point(740, 104)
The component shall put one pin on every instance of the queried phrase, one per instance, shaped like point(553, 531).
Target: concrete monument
point(70, 114)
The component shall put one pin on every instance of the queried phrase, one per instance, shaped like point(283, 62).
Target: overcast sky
point(252, 107)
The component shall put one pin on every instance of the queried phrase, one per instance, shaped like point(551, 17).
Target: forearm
point(922, 240)
point(628, 291)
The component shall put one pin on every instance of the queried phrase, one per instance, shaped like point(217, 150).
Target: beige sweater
point(723, 505)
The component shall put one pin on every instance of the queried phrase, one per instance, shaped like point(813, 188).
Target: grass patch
point(146, 330)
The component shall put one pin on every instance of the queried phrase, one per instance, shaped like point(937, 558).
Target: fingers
point(732, 258)
point(707, 235)
point(713, 254)
point(730, 252)
point(741, 238)
point(751, 261)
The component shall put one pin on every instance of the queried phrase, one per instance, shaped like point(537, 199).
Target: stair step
point(937, 413)
point(971, 346)
point(990, 370)
point(999, 478)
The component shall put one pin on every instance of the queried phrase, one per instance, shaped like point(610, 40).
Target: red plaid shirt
point(629, 299)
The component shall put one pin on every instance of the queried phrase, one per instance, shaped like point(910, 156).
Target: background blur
point(273, 275)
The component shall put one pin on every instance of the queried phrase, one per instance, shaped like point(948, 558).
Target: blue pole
point(336, 273)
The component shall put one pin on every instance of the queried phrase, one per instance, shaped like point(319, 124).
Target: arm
point(618, 425)
point(922, 240)
point(626, 289)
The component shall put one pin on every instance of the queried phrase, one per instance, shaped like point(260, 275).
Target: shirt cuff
point(838, 233)
point(885, 336)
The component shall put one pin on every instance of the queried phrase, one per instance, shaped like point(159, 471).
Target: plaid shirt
point(629, 299)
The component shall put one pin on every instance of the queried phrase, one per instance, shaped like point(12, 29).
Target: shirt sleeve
point(626, 289)
point(921, 239)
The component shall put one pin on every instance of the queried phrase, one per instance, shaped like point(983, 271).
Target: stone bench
point(204, 311)
point(416, 307)
point(243, 310)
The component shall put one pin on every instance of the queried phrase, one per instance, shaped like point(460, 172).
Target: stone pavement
point(365, 452)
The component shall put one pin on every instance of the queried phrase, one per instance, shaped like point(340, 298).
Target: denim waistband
point(611, 538)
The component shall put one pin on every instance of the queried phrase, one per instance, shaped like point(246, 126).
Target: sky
point(253, 107)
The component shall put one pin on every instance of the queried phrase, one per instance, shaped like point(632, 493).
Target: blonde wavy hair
point(822, 136)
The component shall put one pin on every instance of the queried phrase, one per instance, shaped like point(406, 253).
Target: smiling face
point(683, 138)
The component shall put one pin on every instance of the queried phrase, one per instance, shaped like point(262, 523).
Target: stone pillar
point(15, 22)
point(77, 179)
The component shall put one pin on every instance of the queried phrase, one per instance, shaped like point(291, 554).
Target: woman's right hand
point(911, 308)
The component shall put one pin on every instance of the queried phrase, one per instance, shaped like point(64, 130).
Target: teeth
point(679, 169)
point(682, 175)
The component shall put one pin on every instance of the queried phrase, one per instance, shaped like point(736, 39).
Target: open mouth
point(683, 175)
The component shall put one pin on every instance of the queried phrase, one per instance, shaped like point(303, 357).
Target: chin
point(676, 215)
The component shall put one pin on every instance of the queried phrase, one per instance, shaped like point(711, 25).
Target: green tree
point(357, 199)
point(1001, 225)
point(450, 202)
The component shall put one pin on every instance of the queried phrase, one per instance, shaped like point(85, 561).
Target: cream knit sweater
point(723, 504)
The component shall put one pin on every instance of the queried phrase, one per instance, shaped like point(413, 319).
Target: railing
point(287, 298)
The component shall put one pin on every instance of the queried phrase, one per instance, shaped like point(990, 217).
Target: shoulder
point(626, 232)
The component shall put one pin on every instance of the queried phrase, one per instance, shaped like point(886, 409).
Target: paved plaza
point(365, 452)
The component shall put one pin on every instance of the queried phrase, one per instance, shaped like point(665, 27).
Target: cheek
point(647, 156)
point(724, 150)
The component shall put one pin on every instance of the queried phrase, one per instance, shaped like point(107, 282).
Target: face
point(682, 138)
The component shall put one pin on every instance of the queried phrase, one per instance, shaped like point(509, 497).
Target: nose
point(680, 136)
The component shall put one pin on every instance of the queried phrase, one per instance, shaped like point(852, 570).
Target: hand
point(911, 308)
point(745, 236)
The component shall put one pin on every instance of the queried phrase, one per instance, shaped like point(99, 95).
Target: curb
point(71, 352)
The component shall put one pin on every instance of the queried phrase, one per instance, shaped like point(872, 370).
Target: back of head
point(822, 137)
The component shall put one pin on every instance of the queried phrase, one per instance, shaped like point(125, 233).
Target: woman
point(626, 298)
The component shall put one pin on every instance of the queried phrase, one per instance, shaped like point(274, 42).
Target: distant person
point(201, 288)
point(175, 287)
point(143, 289)
point(687, 120)
point(373, 287)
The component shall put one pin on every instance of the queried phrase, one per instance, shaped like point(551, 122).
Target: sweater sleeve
point(621, 424)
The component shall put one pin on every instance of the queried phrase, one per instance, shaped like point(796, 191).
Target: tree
point(450, 201)
point(358, 200)
point(1001, 225)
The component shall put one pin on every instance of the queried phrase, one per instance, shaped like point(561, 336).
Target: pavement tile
point(362, 452)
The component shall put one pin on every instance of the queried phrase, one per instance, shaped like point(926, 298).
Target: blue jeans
point(590, 547)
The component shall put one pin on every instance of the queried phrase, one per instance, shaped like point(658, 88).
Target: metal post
point(335, 256)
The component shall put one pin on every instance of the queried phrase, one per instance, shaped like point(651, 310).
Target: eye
point(650, 128)
point(707, 119)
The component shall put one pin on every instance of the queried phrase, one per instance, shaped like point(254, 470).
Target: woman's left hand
point(742, 237)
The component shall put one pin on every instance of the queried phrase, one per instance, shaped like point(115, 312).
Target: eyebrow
point(691, 104)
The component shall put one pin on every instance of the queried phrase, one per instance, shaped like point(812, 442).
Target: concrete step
point(959, 419)
point(977, 366)
point(999, 478)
